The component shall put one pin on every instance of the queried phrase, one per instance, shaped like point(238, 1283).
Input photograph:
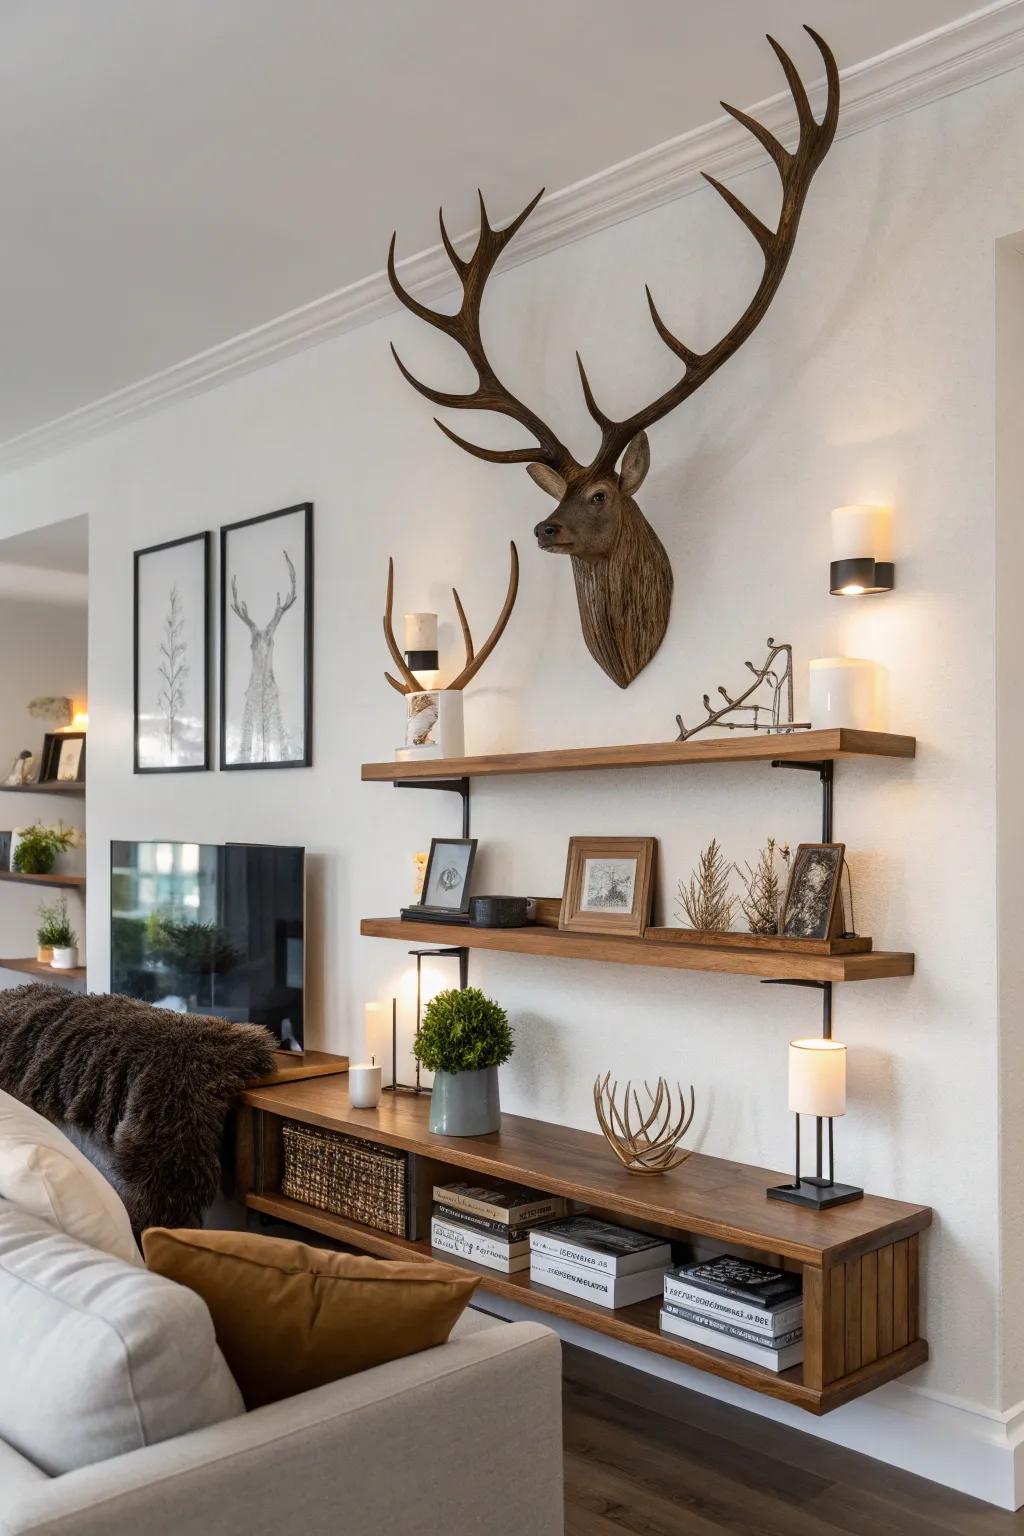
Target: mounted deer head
point(474, 659)
point(623, 576)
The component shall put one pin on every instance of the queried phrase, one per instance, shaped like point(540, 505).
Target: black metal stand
point(817, 1190)
point(459, 787)
point(455, 952)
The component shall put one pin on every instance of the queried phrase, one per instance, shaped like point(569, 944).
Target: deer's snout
point(551, 536)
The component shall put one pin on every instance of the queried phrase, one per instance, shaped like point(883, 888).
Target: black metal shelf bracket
point(826, 774)
point(459, 787)
point(824, 987)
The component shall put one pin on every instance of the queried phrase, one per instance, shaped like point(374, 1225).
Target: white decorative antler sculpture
point(652, 1145)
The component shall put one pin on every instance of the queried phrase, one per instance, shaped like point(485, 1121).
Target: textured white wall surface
point(42, 651)
point(872, 379)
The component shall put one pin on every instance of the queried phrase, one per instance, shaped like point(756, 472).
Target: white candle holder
point(845, 691)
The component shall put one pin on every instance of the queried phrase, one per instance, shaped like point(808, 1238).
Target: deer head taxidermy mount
point(474, 659)
point(623, 576)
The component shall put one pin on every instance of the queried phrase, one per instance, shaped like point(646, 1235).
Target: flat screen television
point(213, 929)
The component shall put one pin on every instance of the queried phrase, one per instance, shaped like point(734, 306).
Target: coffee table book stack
point(745, 1309)
point(490, 1224)
point(609, 1265)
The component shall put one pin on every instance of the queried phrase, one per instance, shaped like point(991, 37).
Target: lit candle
point(421, 632)
point(817, 1078)
point(364, 1085)
point(377, 1034)
point(846, 691)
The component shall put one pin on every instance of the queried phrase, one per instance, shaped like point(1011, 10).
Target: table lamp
point(817, 1086)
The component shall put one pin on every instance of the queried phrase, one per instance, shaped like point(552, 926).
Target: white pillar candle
point(817, 1077)
point(364, 1085)
point(421, 632)
point(846, 691)
point(377, 1035)
point(860, 533)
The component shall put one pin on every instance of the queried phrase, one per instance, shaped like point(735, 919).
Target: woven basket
point(346, 1176)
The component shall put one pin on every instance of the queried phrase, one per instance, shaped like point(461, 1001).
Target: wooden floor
point(648, 1458)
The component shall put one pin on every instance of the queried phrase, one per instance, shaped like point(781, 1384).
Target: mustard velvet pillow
point(289, 1317)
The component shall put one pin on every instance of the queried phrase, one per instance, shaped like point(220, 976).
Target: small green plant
point(38, 847)
point(463, 1032)
point(55, 930)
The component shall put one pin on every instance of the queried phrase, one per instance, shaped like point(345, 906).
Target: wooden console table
point(859, 1261)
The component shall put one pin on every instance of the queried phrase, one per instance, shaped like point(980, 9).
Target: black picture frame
point(440, 843)
point(49, 762)
point(812, 907)
point(305, 760)
point(203, 765)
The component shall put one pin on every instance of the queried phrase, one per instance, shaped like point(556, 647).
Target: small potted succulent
point(36, 847)
point(464, 1038)
point(56, 935)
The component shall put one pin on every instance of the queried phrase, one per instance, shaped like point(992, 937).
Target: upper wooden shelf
point(794, 747)
point(776, 964)
point(53, 788)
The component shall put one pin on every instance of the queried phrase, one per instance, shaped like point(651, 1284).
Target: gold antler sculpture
point(652, 1146)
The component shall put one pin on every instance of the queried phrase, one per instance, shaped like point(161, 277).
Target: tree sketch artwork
point(812, 892)
point(608, 885)
point(266, 640)
point(171, 617)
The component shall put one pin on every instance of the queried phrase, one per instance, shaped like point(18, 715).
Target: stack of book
point(739, 1307)
point(490, 1224)
point(609, 1265)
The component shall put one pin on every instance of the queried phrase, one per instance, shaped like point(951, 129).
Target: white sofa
point(464, 1439)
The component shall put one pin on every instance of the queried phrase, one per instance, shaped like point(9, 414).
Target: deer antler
point(796, 169)
point(474, 659)
point(464, 328)
point(239, 606)
point(280, 609)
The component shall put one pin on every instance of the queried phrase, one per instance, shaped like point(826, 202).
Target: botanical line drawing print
point(172, 671)
point(264, 739)
point(609, 885)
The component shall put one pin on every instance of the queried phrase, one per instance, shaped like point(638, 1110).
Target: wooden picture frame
point(67, 747)
point(813, 907)
point(463, 860)
point(171, 650)
point(609, 885)
point(266, 671)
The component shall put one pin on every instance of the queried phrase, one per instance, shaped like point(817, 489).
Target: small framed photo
point(813, 907)
point(172, 656)
point(63, 760)
point(448, 873)
point(609, 885)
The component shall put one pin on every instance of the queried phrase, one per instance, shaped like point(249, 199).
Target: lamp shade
point(817, 1077)
point(861, 551)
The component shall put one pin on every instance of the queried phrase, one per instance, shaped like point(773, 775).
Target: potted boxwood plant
point(38, 846)
point(53, 927)
point(464, 1038)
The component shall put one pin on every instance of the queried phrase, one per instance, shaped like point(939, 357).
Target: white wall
point(43, 651)
point(871, 380)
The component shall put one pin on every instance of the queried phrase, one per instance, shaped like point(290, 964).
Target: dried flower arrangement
point(706, 902)
point(763, 888)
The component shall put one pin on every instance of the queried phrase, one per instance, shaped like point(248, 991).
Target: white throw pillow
point(97, 1357)
point(45, 1176)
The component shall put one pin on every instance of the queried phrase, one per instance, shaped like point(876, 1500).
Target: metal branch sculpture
point(651, 1146)
point(778, 682)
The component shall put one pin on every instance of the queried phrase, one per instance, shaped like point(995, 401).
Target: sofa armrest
point(465, 1438)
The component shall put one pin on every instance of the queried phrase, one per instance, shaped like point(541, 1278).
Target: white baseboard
point(958, 1444)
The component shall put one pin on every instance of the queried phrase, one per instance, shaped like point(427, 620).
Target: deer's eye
point(598, 499)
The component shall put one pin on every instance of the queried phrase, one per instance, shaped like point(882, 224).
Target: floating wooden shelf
point(794, 747)
point(860, 1261)
point(73, 980)
point(290, 1068)
point(43, 789)
point(62, 882)
point(551, 943)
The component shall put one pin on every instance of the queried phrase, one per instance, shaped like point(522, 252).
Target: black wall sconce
point(861, 552)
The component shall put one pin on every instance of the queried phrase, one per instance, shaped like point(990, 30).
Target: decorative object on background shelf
point(706, 902)
point(775, 715)
point(419, 874)
point(861, 552)
point(63, 758)
point(622, 573)
point(651, 1145)
point(171, 649)
point(446, 881)
point(761, 901)
point(813, 906)
point(266, 640)
point(434, 718)
point(364, 1085)
point(20, 771)
point(5, 850)
point(845, 691)
point(37, 847)
point(463, 1039)
point(599, 1261)
point(817, 1086)
point(609, 885)
point(53, 707)
point(499, 911)
point(54, 931)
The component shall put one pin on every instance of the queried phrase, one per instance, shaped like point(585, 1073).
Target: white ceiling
point(176, 172)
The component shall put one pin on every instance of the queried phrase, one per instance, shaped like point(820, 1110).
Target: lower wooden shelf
point(60, 882)
point(74, 980)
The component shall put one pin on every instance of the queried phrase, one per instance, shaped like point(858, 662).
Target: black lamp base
point(819, 1194)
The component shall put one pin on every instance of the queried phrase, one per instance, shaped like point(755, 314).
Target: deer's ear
point(548, 479)
point(636, 461)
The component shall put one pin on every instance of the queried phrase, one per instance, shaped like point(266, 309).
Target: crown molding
point(976, 48)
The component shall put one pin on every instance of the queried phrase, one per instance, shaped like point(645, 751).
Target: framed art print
point(266, 640)
point(171, 656)
point(63, 759)
point(447, 877)
point(813, 906)
point(609, 885)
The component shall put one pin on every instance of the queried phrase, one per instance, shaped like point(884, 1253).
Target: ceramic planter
point(465, 1103)
point(64, 959)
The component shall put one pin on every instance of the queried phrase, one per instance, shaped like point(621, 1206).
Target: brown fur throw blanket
point(150, 1089)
